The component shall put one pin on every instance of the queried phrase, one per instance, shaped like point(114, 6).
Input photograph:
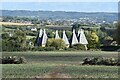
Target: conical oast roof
point(57, 35)
point(44, 39)
point(74, 38)
point(78, 33)
point(40, 33)
point(82, 38)
point(38, 39)
point(65, 39)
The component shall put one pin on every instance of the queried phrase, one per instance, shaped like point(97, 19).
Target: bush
point(17, 42)
point(118, 63)
point(110, 48)
point(70, 49)
point(50, 49)
point(38, 48)
point(21, 60)
point(78, 47)
point(57, 43)
point(13, 60)
point(93, 40)
point(108, 61)
point(90, 61)
point(30, 33)
point(100, 61)
point(49, 42)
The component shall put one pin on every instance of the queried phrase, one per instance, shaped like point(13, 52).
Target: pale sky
point(59, 0)
point(61, 5)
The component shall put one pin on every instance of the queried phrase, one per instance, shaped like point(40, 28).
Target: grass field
point(65, 27)
point(58, 65)
point(11, 23)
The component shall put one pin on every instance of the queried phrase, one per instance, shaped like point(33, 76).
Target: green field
point(59, 64)
point(12, 23)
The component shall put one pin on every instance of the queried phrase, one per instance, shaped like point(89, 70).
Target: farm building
point(73, 39)
point(57, 35)
point(82, 39)
point(79, 39)
point(65, 39)
point(41, 38)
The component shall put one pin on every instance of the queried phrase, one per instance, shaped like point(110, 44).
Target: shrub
point(13, 60)
point(49, 42)
point(70, 49)
point(31, 33)
point(118, 33)
point(57, 43)
point(86, 60)
point(50, 49)
point(118, 62)
point(110, 48)
point(93, 40)
point(22, 60)
point(78, 47)
point(100, 61)
point(38, 48)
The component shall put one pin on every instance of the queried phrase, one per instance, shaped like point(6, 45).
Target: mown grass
point(62, 57)
point(43, 64)
point(25, 70)
point(74, 71)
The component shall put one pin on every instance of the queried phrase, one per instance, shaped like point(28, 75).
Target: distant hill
point(60, 14)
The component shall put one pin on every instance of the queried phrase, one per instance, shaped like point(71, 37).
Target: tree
point(76, 26)
point(15, 43)
point(93, 40)
point(21, 38)
point(102, 36)
point(51, 35)
point(102, 29)
point(118, 33)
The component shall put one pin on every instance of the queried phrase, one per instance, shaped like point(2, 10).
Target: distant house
point(10, 34)
point(33, 29)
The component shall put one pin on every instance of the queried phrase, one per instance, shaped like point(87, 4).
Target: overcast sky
point(53, 5)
